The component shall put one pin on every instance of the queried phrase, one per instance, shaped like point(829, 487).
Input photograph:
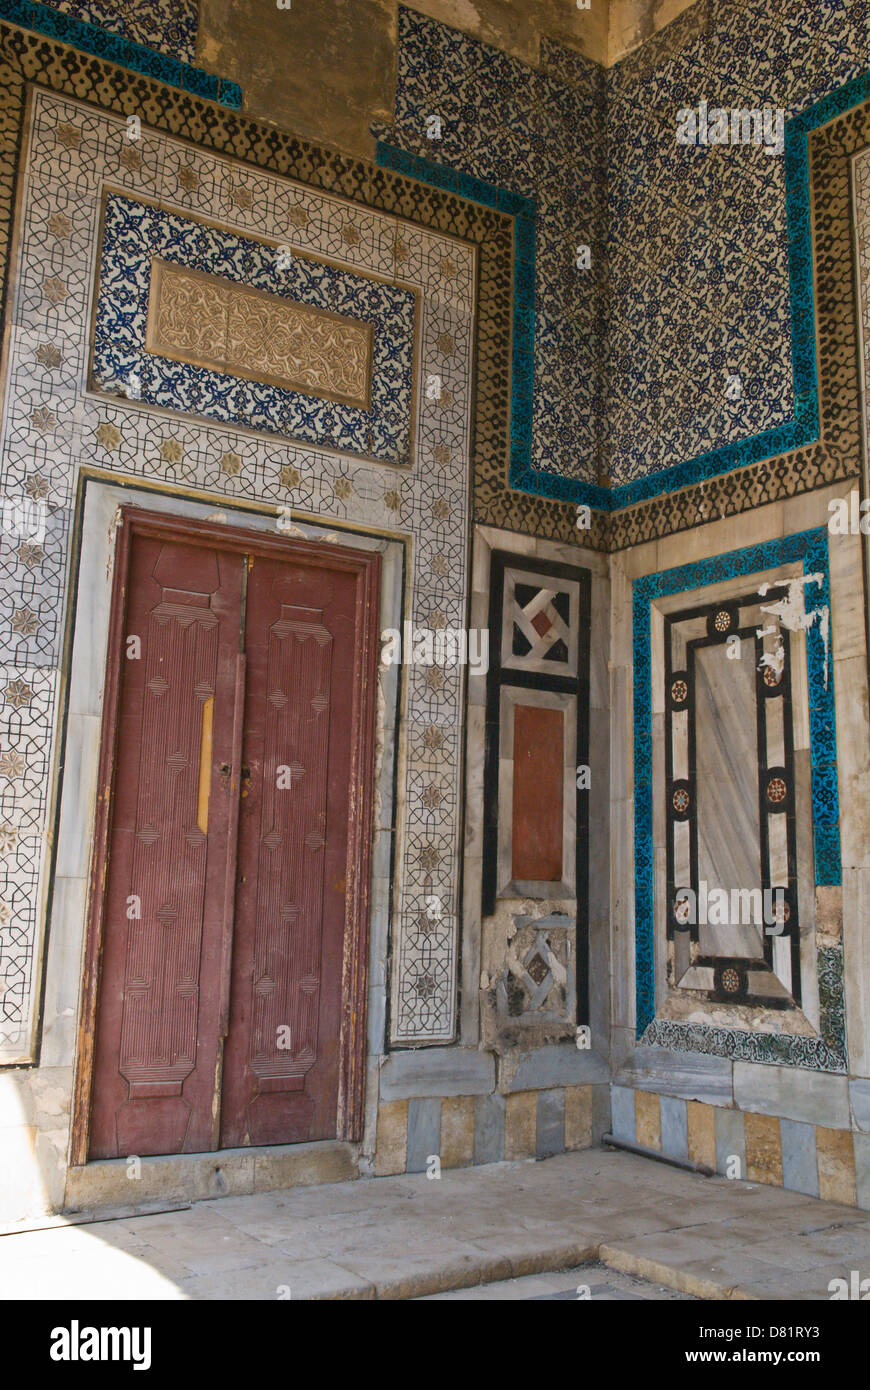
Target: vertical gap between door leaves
point(235, 788)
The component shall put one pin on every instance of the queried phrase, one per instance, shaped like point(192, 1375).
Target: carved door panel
point(157, 1034)
point(281, 1071)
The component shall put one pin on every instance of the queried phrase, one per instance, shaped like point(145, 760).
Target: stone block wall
point(824, 1161)
point(469, 1130)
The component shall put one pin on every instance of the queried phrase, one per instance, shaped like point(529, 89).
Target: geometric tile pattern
point(54, 425)
point(262, 147)
point(261, 152)
point(828, 1050)
point(861, 171)
point(828, 149)
point(135, 235)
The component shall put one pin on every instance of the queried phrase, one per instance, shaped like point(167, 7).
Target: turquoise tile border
point(523, 210)
point(88, 38)
point(811, 547)
point(792, 434)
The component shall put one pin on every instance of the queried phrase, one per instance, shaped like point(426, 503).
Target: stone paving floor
point(586, 1282)
point(409, 1237)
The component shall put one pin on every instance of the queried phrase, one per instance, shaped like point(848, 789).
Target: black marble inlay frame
point(569, 676)
point(736, 979)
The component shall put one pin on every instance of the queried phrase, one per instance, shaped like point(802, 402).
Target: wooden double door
point(225, 979)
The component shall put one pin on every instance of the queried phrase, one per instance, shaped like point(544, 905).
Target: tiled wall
point(376, 422)
point(538, 134)
point(861, 195)
point(697, 238)
point(167, 25)
point(154, 37)
point(466, 1130)
point(52, 426)
point(691, 282)
point(819, 1160)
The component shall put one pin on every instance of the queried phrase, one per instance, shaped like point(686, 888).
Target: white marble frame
point(433, 511)
point(80, 751)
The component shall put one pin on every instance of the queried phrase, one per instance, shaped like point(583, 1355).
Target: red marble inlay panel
point(538, 793)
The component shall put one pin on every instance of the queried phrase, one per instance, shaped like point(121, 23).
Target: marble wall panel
point(701, 1030)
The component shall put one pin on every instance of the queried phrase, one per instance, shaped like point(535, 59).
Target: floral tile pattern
point(533, 143)
point(696, 273)
point(167, 25)
point(135, 234)
point(156, 37)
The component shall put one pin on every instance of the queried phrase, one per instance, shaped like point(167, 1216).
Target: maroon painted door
point(281, 1063)
point(157, 1035)
point(230, 944)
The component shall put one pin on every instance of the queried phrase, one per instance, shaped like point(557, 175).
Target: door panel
point(282, 1052)
point(157, 1034)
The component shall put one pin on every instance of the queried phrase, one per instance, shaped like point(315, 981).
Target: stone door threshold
point(169, 1181)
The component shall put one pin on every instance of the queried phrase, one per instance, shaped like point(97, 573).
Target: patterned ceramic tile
point(169, 25)
point(772, 57)
point(134, 234)
point(506, 125)
point(157, 37)
point(861, 173)
point(54, 424)
point(720, 298)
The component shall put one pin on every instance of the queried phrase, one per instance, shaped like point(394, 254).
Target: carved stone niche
point(528, 985)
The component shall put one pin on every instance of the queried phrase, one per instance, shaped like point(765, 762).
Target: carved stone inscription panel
point(212, 322)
